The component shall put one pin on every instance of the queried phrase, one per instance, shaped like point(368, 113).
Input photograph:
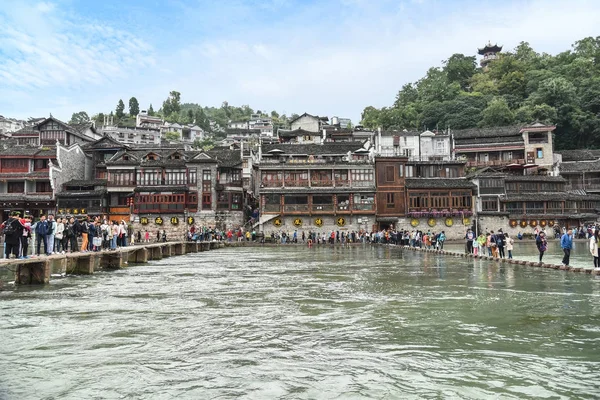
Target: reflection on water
point(293, 322)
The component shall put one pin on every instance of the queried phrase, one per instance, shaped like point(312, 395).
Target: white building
point(143, 120)
point(8, 125)
point(425, 146)
point(133, 135)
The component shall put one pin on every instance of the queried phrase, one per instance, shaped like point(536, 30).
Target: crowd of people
point(49, 235)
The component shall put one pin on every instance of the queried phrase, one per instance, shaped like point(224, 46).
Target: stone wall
point(454, 228)
point(310, 223)
point(72, 164)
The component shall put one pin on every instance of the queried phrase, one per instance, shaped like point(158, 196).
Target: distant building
point(309, 122)
point(143, 120)
point(137, 135)
point(8, 125)
point(50, 131)
point(489, 53)
point(425, 146)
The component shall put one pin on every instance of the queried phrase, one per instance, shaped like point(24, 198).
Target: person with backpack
point(541, 244)
point(13, 231)
point(41, 235)
point(500, 242)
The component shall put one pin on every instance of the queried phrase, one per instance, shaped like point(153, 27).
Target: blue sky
point(329, 57)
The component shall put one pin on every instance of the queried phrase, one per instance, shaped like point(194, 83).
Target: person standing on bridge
point(594, 239)
point(41, 235)
point(542, 244)
point(566, 242)
point(13, 231)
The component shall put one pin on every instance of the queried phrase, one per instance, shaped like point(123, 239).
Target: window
point(539, 152)
point(236, 175)
point(343, 202)
point(192, 176)
point(176, 177)
point(149, 177)
point(15, 164)
point(43, 187)
point(361, 175)
point(206, 175)
point(489, 204)
point(389, 173)
point(236, 201)
point(122, 177)
point(440, 200)
point(409, 171)
point(401, 170)
point(206, 201)
point(418, 200)
point(41, 165)
point(364, 202)
point(16, 187)
point(389, 200)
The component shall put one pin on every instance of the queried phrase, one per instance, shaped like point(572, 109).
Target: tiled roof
point(20, 151)
point(314, 149)
point(84, 193)
point(579, 155)
point(82, 182)
point(533, 178)
point(580, 166)
point(225, 156)
point(296, 132)
point(36, 174)
point(439, 183)
point(549, 196)
point(494, 132)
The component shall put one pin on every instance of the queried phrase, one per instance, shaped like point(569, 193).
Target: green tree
point(459, 69)
point(99, 118)
point(497, 113)
point(134, 107)
point(151, 110)
point(172, 136)
point(79, 118)
point(274, 114)
point(120, 109)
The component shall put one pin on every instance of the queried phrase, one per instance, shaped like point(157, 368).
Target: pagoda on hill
point(489, 53)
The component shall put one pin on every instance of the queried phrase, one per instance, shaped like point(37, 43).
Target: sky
point(324, 57)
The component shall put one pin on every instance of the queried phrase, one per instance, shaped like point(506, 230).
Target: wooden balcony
point(296, 183)
point(496, 163)
point(120, 210)
point(321, 183)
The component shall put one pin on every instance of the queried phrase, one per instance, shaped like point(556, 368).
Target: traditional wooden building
point(509, 148)
point(489, 53)
point(318, 187)
point(581, 169)
point(51, 130)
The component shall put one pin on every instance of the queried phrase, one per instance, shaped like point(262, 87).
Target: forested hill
point(519, 87)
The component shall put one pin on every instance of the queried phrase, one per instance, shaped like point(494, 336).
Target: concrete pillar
point(138, 256)
point(112, 260)
point(178, 249)
point(166, 250)
point(205, 246)
point(156, 253)
point(81, 264)
point(33, 273)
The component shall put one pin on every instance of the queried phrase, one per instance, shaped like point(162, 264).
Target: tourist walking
point(594, 247)
point(542, 244)
point(509, 245)
point(482, 241)
point(26, 222)
point(500, 243)
point(566, 242)
point(469, 236)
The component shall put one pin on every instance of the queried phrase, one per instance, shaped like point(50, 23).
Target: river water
point(298, 323)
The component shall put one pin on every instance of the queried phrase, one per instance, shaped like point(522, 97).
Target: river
point(298, 323)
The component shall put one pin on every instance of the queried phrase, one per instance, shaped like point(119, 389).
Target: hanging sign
point(277, 222)
point(341, 221)
point(319, 222)
point(174, 220)
point(190, 220)
point(158, 221)
point(144, 220)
